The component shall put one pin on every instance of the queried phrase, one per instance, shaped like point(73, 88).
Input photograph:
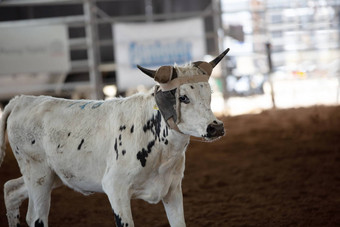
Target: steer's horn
point(219, 58)
point(149, 72)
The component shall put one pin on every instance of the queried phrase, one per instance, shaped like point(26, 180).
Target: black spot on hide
point(121, 128)
point(150, 145)
point(119, 221)
point(38, 223)
point(192, 87)
point(59, 146)
point(18, 217)
point(165, 132)
point(16, 149)
point(81, 143)
point(120, 140)
point(142, 155)
point(69, 134)
point(123, 152)
point(154, 125)
point(116, 149)
point(131, 130)
point(33, 141)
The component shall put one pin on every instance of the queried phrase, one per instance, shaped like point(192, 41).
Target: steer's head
point(184, 95)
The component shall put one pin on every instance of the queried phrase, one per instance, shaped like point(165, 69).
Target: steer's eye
point(184, 99)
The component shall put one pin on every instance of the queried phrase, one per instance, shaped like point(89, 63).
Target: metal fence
point(93, 46)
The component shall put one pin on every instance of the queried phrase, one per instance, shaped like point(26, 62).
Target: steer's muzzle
point(215, 130)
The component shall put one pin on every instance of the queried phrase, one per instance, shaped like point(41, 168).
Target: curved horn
point(149, 72)
point(219, 58)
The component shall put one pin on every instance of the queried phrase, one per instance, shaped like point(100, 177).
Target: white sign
point(35, 49)
point(155, 44)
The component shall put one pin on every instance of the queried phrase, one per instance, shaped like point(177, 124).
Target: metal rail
point(47, 2)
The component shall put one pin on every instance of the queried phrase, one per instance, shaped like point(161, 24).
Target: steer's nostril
point(215, 122)
point(211, 130)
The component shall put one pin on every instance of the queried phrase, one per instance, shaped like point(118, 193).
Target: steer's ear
point(204, 66)
point(165, 73)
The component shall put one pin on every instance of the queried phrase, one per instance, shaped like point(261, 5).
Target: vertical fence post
point(219, 37)
point(270, 72)
point(148, 10)
point(93, 49)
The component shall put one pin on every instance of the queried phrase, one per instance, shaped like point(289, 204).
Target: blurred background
point(277, 168)
point(283, 53)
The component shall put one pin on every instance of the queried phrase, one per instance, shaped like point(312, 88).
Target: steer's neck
point(170, 137)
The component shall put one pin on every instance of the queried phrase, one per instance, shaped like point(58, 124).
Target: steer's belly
point(79, 181)
point(82, 172)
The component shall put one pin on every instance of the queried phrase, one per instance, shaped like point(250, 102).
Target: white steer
point(127, 148)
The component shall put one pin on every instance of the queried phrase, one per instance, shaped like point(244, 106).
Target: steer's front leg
point(173, 204)
point(120, 201)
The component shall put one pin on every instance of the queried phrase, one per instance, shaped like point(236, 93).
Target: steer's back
point(67, 135)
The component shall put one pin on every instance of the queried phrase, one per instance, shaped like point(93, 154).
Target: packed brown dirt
point(277, 168)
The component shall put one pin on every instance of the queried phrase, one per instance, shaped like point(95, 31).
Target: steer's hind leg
point(39, 185)
point(30, 216)
point(15, 192)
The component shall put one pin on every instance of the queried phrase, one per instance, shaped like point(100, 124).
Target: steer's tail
point(3, 124)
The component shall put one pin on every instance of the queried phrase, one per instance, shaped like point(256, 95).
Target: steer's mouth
point(213, 138)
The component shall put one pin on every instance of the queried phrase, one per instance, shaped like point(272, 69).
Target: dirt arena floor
point(277, 168)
